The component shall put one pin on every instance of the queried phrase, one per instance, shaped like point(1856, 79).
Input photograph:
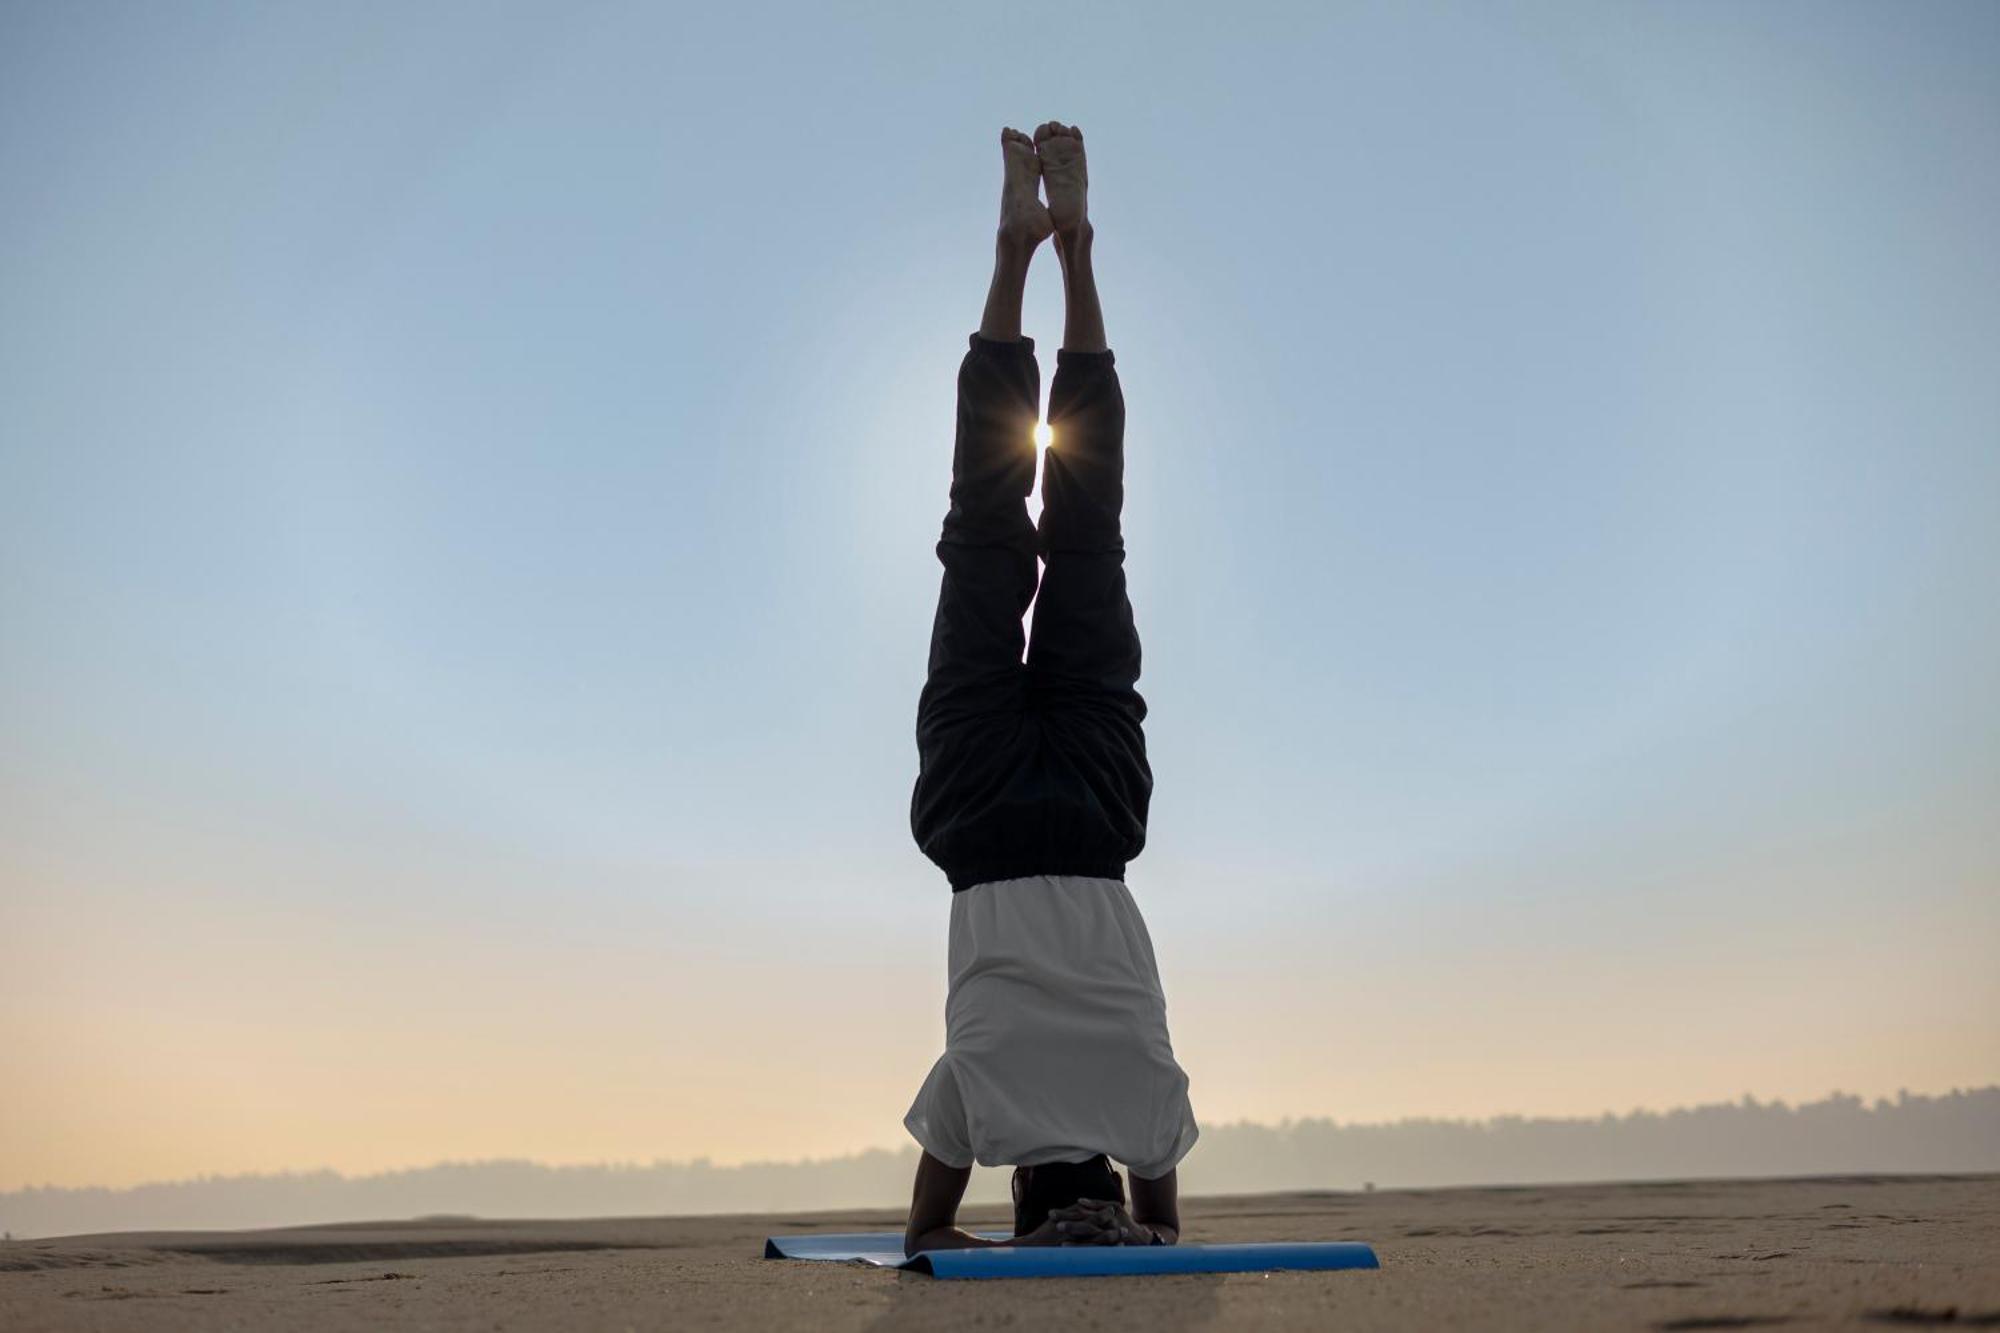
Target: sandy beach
point(1863, 1250)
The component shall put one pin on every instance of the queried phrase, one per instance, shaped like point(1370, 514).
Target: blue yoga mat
point(884, 1249)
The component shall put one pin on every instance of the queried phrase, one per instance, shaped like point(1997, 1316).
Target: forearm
point(949, 1238)
point(1156, 1206)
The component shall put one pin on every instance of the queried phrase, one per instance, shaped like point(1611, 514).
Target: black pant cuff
point(1066, 356)
point(1024, 345)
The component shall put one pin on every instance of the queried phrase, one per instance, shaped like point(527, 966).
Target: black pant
point(1035, 767)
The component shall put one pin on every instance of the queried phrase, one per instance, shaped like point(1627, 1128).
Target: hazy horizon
point(1956, 1133)
point(468, 479)
point(1900, 1095)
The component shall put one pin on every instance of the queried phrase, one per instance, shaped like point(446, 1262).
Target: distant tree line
point(1957, 1132)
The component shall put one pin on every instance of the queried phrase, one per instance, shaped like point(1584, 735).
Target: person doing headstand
point(1033, 782)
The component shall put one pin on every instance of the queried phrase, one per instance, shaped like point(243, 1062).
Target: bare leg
point(1024, 224)
point(1067, 180)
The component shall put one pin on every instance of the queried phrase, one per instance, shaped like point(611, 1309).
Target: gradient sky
point(467, 483)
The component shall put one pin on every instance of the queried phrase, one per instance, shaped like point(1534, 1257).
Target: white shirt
point(1056, 1043)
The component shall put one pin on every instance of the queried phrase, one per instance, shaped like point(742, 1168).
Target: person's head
point(1037, 1189)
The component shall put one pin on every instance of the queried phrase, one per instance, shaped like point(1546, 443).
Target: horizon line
point(1747, 1102)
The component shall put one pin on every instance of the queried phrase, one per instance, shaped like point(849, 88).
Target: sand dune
point(1868, 1250)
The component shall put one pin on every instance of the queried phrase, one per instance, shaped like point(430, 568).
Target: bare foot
point(1064, 177)
point(1023, 219)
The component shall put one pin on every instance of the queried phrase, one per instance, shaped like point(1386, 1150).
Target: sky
point(468, 476)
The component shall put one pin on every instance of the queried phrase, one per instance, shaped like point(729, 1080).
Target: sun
point(1043, 435)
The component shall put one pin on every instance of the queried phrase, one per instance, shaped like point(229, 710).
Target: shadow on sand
point(924, 1303)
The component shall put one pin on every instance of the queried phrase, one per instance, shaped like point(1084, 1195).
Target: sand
point(1875, 1251)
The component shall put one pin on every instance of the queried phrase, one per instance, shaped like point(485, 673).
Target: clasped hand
point(1089, 1222)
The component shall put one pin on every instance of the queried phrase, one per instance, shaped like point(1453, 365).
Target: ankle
point(1075, 240)
point(1015, 242)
